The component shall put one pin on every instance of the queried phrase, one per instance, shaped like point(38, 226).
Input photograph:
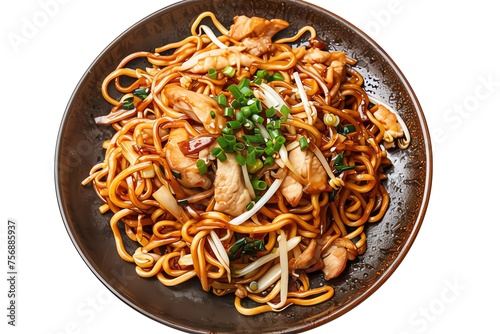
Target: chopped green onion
point(250, 206)
point(273, 133)
point(270, 112)
point(273, 125)
point(252, 169)
point(246, 91)
point(259, 185)
point(235, 104)
point(269, 150)
point(227, 142)
point(257, 118)
point(234, 125)
point(276, 76)
point(347, 129)
point(128, 103)
point(342, 168)
point(257, 81)
point(246, 111)
point(229, 71)
point(229, 111)
point(240, 117)
point(254, 139)
point(251, 157)
point(212, 73)
point(338, 159)
point(259, 151)
point(234, 90)
point(269, 161)
point(240, 159)
point(238, 147)
point(219, 154)
point(303, 143)
point(141, 93)
point(221, 100)
point(212, 114)
point(227, 131)
point(256, 105)
point(248, 124)
point(262, 74)
point(285, 111)
point(244, 87)
point(202, 166)
point(280, 140)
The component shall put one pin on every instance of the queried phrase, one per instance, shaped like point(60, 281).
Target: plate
point(187, 307)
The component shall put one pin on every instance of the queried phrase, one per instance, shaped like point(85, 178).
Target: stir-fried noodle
point(244, 162)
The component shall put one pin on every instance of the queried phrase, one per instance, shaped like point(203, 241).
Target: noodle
point(244, 162)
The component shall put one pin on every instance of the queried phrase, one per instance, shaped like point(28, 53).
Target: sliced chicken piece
point(244, 27)
point(256, 33)
point(309, 257)
point(231, 195)
point(311, 169)
point(199, 107)
point(389, 120)
point(190, 175)
point(334, 262)
point(220, 62)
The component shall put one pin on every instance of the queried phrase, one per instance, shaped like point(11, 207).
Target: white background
point(449, 53)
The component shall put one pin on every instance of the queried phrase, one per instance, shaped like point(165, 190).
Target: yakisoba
point(243, 162)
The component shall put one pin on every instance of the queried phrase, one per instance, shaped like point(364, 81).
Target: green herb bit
point(303, 143)
point(285, 111)
point(238, 147)
point(226, 143)
point(141, 93)
point(202, 166)
point(341, 168)
point(219, 154)
point(269, 161)
point(254, 168)
point(280, 140)
point(250, 206)
point(276, 77)
point(234, 90)
point(228, 111)
point(229, 71)
point(240, 159)
point(212, 73)
point(221, 100)
point(128, 103)
point(347, 129)
point(262, 74)
point(259, 185)
point(212, 114)
point(270, 112)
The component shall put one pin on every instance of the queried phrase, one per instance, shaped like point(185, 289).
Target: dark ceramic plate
point(188, 307)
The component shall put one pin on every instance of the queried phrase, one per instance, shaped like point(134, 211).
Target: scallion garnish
point(128, 103)
point(259, 185)
point(219, 153)
point(141, 93)
point(202, 166)
point(229, 71)
point(212, 73)
point(303, 143)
